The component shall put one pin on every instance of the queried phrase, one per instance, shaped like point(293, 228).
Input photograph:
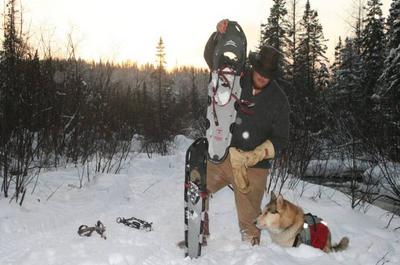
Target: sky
point(121, 30)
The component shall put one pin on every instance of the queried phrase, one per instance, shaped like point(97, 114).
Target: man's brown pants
point(248, 205)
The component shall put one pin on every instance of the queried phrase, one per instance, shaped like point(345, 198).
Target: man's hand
point(238, 162)
point(265, 150)
point(222, 26)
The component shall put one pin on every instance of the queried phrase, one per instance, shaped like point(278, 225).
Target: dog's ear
point(279, 201)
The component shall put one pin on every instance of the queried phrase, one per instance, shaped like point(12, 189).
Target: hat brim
point(257, 66)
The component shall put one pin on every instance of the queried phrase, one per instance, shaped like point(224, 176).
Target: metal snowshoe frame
point(224, 90)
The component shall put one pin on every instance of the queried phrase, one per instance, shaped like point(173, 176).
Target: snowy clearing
point(45, 231)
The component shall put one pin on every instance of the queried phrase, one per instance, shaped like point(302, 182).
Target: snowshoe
point(195, 195)
point(224, 90)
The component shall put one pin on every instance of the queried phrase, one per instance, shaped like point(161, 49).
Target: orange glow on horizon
point(122, 30)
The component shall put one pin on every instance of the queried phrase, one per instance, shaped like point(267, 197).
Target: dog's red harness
point(315, 232)
point(319, 235)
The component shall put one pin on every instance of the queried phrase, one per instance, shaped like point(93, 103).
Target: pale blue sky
point(130, 29)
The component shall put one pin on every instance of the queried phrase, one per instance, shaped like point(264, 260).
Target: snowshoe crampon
point(224, 90)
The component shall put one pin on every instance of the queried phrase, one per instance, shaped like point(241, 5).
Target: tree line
point(55, 111)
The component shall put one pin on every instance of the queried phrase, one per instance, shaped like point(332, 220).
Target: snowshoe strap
point(85, 230)
point(134, 222)
point(221, 74)
point(243, 105)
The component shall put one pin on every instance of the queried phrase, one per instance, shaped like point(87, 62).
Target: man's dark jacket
point(270, 120)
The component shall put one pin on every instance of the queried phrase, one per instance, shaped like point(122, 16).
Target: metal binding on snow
point(85, 230)
point(135, 223)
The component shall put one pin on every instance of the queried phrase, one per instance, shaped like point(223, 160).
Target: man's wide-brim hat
point(265, 62)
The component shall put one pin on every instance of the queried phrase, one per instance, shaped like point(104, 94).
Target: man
point(256, 139)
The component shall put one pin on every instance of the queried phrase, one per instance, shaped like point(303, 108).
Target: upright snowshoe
point(195, 194)
point(224, 90)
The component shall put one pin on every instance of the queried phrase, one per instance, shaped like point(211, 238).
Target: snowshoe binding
point(135, 223)
point(85, 230)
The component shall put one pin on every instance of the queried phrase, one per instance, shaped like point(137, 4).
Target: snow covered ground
point(44, 230)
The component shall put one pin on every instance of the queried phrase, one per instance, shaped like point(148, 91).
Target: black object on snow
point(85, 230)
point(135, 223)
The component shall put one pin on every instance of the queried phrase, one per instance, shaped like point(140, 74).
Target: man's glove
point(238, 162)
point(265, 150)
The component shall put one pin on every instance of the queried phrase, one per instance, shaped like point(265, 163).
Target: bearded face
point(259, 81)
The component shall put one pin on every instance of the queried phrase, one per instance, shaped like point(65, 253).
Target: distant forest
point(66, 110)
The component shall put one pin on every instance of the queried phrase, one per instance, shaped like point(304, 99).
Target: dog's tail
point(342, 245)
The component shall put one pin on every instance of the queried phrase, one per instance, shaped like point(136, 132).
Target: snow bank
point(383, 177)
point(182, 143)
point(383, 173)
point(334, 167)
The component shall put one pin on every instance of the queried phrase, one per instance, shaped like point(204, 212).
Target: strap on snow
point(85, 230)
point(135, 223)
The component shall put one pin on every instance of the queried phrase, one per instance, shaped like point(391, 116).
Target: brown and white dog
point(285, 223)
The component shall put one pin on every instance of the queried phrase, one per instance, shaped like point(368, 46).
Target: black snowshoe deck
point(194, 195)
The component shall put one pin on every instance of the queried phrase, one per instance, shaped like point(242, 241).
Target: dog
point(288, 226)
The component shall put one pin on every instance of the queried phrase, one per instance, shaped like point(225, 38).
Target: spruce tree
point(389, 83)
point(274, 33)
point(372, 56)
point(292, 42)
point(337, 60)
point(373, 47)
point(348, 76)
point(393, 24)
point(322, 77)
point(336, 64)
point(164, 124)
point(359, 25)
point(388, 89)
point(312, 49)
point(311, 71)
